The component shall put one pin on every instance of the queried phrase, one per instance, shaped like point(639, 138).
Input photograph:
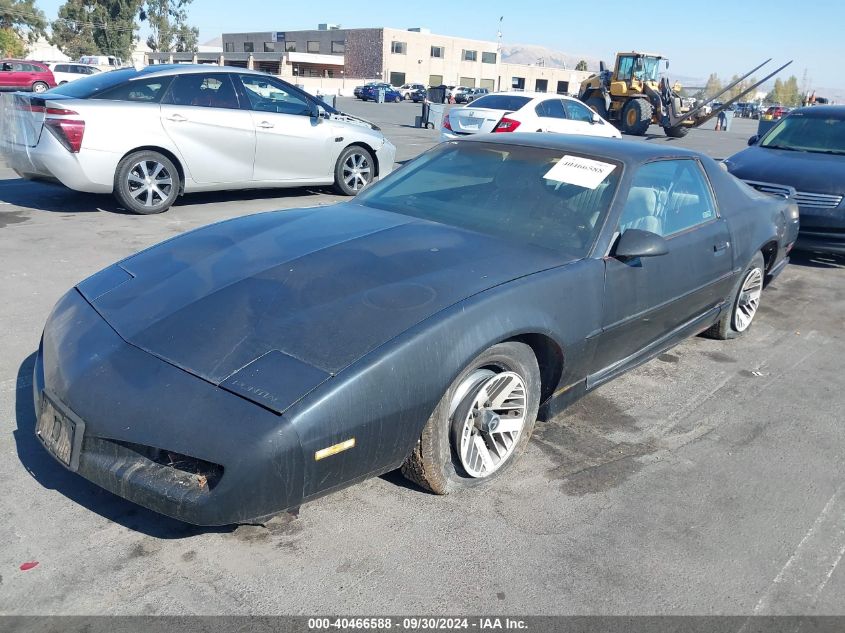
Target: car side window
point(207, 90)
point(551, 108)
point(144, 91)
point(266, 94)
point(578, 112)
point(61, 68)
point(667, 197)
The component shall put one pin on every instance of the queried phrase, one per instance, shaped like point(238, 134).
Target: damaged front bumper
point(155, 434)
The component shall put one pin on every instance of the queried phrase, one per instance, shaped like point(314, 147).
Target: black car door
point(651, 300)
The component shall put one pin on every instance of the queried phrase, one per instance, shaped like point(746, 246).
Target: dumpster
point(437, 94)
point(436, 111)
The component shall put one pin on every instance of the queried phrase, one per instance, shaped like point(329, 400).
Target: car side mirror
point(635, 243)
point(595, 118)
point(317, 112)
point(753, 140)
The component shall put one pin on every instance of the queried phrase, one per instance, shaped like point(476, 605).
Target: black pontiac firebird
point(248, 366)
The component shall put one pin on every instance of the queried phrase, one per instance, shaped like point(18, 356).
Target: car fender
point(381, 403)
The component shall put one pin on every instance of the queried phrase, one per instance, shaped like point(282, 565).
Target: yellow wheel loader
point(632, 96)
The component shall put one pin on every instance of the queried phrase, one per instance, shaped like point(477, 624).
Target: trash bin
point(437, 94)
point(436, 111)
point(729, 117)
point(380, 98)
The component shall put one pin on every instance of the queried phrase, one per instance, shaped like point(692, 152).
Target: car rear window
point(87, 87)
point(501, 102)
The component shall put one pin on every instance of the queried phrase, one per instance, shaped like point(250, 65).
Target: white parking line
point(800, 582)
point(8, 386)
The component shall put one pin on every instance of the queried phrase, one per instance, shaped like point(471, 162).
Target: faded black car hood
point(805, 171)
point(318, 287)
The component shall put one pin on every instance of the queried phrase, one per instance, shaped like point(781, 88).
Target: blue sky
point(722, 36)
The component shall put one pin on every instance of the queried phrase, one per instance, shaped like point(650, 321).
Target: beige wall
point(418, 64)
point(551, 75)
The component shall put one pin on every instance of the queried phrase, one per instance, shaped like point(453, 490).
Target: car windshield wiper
point(838, 152)
point(784, 147)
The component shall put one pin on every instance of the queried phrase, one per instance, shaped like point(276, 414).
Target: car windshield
point(501, 102)
point(505, 191)
point(87, 87)
point(813, 133)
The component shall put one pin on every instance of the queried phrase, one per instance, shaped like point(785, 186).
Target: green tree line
point(97, 27)
point(785, 92)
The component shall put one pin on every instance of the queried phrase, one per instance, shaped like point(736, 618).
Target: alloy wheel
point(748, 300)
point(150, 183)
point(357, 171)
point(487, 415)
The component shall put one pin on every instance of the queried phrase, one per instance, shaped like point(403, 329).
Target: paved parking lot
point(708, 481)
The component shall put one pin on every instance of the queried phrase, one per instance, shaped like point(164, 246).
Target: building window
point(280, 37)
point(518, 83)
point(269, 47)
point(541, 85)
point(290, 47)
point(338, 47)
point(249, 47)
point(488, 58)
point(470, 56)
point(229, 47)
point(399, 48)
point(435, 80)
point(490, 84)
point(437, 51)
point(397, 79)
point(313, 46)
point(563, 87)
point(469, 82)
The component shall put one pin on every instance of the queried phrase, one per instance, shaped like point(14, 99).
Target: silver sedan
point(149, 135)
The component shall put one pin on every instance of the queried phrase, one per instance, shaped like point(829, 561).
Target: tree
point(97, 26)
point(168, 21)
point(582, 65)
point(713, 86)
point(21, 22)
point(785, 92)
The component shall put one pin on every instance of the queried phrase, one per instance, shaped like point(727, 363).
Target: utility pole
point(499, 55)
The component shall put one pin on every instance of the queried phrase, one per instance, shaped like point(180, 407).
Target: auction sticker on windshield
point(584, 172)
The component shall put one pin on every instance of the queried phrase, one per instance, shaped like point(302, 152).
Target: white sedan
point(69, 71)
point(526, 112)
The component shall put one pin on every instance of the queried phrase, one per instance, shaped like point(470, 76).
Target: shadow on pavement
point(816, 260)
point(50, 474)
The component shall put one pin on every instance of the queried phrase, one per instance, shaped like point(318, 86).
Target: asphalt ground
point(708, 481)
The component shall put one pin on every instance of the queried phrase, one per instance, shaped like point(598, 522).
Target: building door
point(435, 80)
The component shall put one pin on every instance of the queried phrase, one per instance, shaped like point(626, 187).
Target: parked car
point(470, 95)
point(370, 93)
point(803, 158)
point(65, 72)
point(419, 95)
point(526, 112)
point(407, 90)
point(149, 135)
point(774, 113)
point(359, 89)
point(252, 365)
point(26, 75)
point(109, 62)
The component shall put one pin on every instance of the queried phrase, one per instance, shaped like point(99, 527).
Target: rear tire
point(745, 301)
point(679, 131)
point(354, 170)
point(397, 99)
point(40, 86)
point(636, 116)
point(448, 456)
point(146, 182)
point(598, 106)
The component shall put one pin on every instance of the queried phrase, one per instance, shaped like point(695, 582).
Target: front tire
point(482, 423)
point(679, 131)
point(746, 301)
point(39, 87)
point(636, 117)
point(354, 170)
point(146, 182)
point(597, 105)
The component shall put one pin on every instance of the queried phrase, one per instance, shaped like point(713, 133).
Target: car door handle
point(720, 246)
point(176, 118)
point(266, 125)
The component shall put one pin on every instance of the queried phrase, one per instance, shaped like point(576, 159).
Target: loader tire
point(679, 131)
point(596, 103)
point(636, 116)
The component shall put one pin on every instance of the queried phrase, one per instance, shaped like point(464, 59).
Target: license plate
point(60, 433)
point(470, 122)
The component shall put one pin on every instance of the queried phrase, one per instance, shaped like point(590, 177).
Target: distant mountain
point(530, 54)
